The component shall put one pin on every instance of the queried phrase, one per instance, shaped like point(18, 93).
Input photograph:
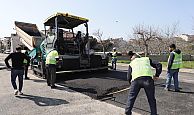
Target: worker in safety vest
point(26, 66)
point(174, 64)
point(140, 75)
point(114, 59)
point(51, 61)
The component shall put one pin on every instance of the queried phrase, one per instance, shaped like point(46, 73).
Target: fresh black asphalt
point(98, 84)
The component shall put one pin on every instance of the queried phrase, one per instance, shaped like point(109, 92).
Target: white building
point(187, 37)
point(6, 43)
point(15, 42)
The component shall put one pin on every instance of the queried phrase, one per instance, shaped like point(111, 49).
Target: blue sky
point(114, 17)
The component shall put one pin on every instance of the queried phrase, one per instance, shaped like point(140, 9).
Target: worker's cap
point(172, 46)
point(130, 53)
point(18, 48)
point(114, 48)
point(25, 48)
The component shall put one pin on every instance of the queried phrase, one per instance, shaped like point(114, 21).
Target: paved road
point(97, 84)
point(39, 99)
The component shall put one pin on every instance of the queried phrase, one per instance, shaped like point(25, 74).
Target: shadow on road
point(184, 92)
point(161, 83)
point(43, 101)
point(38, 80)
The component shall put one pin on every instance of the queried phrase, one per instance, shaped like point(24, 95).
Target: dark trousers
point(148, 84)
point(114, 63)
point(14, 74)
point(26, 71)
point(51, 74)
point(172, 73)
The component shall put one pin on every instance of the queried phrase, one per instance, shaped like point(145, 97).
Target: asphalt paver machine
point(75, 53)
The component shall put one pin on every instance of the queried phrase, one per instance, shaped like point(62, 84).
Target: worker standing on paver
point(79, 41)
point(114, 59)
point(51, 61)
point(17, 68)
point(140, 75)
point(174, 64)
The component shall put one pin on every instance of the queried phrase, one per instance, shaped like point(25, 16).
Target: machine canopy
point(65, 20)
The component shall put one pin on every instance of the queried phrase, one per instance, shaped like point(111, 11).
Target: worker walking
point(140, 75)
point(51, 61)
point(174, 64)
point(114, 59)
point(17, 68)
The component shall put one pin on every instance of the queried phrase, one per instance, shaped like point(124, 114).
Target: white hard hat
point(114, 48)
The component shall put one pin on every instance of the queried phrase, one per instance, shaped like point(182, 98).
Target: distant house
point(187, 37)
point(1, 45)
point(7, 43)
point(15, 41)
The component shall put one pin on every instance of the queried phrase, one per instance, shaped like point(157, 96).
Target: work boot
point(15, 92)
point(20, 93)
point(27, 78)
point(166, 89)
point(177, 90)
point(53, 87)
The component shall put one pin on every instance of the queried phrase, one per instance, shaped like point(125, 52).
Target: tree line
point(144, 38)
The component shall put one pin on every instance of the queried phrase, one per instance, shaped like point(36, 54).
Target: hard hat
point(114, 48)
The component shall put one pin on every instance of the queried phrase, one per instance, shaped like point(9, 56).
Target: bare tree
point(98, 34)
point(155, 40)
point(164, 37)
point(121, 44)
point(171, 32)
point(144, 35)
point(169, 35)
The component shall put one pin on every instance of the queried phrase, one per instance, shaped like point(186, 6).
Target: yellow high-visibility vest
point(177, 62)
point(141, 67)
point(25, 61)
point(51, 57)
point(114, 55)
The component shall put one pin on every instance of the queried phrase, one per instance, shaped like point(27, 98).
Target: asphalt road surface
point(98, 84)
